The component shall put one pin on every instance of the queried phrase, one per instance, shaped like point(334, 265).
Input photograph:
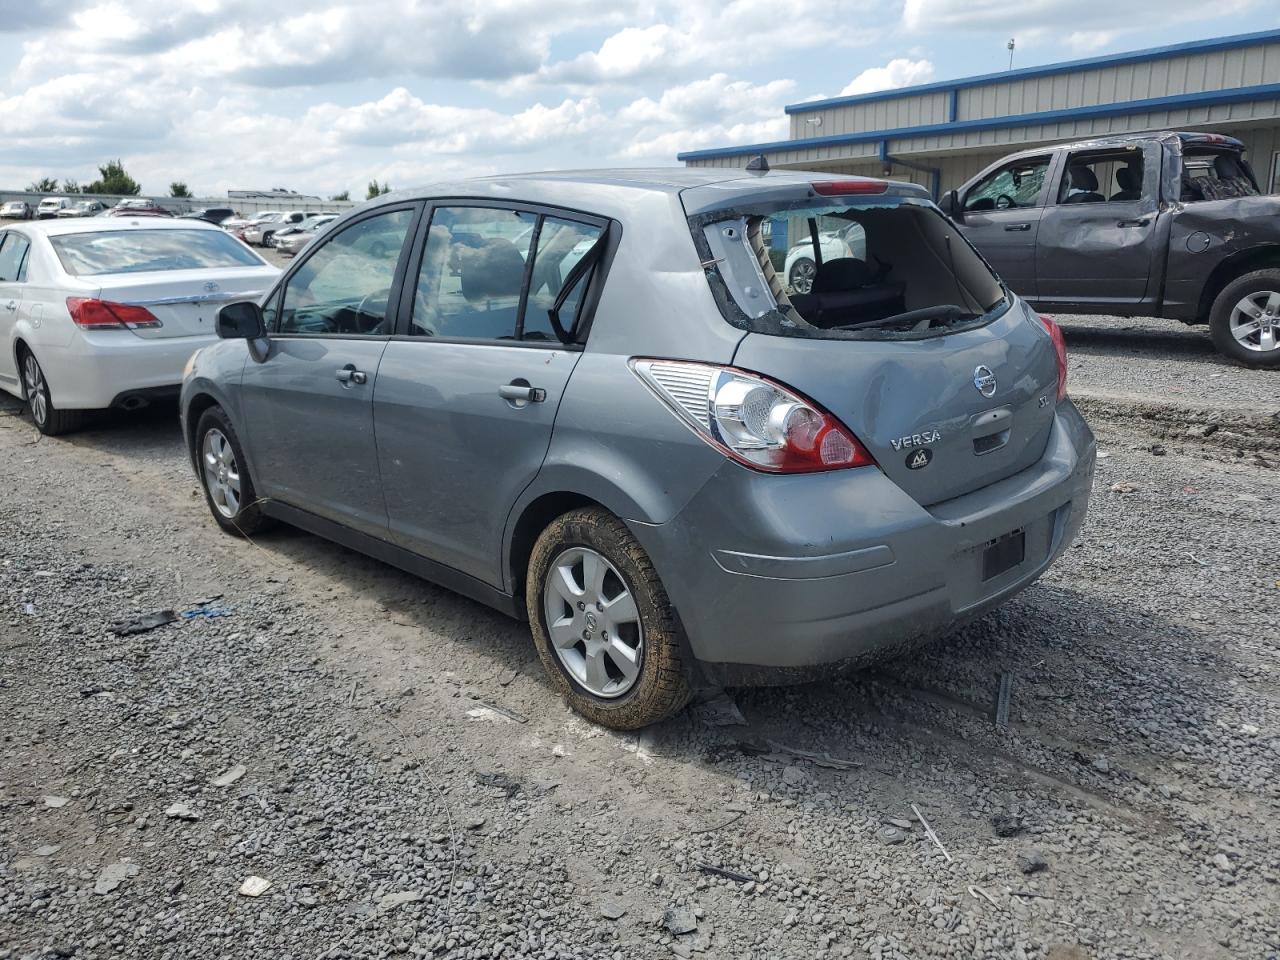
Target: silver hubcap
point(593, 622)
point(1255, 321)
point(36, 398)
point(802, 276)
point(221, 474)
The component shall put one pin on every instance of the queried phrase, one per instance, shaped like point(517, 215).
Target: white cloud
point(896, 73)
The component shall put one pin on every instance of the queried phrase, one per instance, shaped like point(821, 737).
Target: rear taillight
point(91, 314)
point(759, 423)
point(1060, 347)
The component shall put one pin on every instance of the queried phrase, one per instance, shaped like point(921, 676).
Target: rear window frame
point(776, 323)
point(56, 240)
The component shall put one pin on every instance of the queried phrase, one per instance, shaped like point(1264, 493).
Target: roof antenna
point(758, 164)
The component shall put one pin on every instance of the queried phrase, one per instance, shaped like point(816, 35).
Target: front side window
point(345, 286)
point(13, 257)
point(142, 251)
point(1010, 187)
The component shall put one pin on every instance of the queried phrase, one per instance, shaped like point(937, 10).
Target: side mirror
point(950, 205)
point(240, 321)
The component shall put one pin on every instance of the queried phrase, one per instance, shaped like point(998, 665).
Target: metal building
point(941, 134)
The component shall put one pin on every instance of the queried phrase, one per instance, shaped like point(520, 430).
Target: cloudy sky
point(322, 95)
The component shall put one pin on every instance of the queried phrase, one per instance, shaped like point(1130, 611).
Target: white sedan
point(800, 267)
point(101, 312)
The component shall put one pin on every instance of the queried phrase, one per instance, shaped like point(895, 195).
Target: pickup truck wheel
point(604, 628)
point(1245, 319)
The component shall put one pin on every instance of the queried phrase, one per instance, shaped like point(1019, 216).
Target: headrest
point(1129, 178)
point(842, 273)
point(1083, 178)
point(493, 269)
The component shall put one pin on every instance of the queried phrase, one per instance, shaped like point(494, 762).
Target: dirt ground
point(411, 786)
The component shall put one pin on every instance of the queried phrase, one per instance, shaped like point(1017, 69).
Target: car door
point(1097, 238)
point(308, 398)
point(1001, 216)
point(14, 249)
point(466, 398)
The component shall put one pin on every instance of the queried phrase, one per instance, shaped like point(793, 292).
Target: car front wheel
point(1245, 319)
point(224, 475)
point(801, 275)
point(604, 628)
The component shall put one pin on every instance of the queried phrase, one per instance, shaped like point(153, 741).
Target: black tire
point(800, 276)
point(266, 238)
point(1220, 319)
point(247, 518)
point(48, 419)
point(661, 688)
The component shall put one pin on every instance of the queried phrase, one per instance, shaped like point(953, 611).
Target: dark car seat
point(1084, 180)
point(489, 271)
point(1130, 181)
point(847, 290)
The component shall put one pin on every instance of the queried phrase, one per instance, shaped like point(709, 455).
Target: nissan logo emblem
point(985, 381)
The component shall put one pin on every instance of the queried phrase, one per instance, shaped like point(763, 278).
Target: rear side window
point(141, 250)
point(13, 257)
point(890, 269)
point(480, 261)
point(1216, 175)
point(1116, 175)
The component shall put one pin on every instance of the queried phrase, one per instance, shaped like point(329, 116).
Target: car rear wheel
point(604, 628)
point(224, 475)
point(1245, 319)
point(266, 239)
point(48, 419)
point(801, 275)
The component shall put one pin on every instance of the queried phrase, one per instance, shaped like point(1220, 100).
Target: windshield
point(137, 251)
point(894, 268)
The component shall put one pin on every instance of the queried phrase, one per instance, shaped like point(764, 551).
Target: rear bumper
point(776, 576)
point(98, 369)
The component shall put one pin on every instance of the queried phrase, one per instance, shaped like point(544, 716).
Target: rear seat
point(848, 290)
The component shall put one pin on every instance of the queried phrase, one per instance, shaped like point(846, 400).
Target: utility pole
point(1010, 45)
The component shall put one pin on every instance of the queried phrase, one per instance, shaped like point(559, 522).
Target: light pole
point(1010, 45)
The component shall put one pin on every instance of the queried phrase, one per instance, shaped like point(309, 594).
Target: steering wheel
point(1004, 202)
point(360, 309)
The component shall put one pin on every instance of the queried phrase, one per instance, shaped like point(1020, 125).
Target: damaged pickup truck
point(1159, 224)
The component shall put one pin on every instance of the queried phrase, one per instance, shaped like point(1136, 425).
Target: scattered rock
point(1006, 825)
point(47, 850)
point(1101, 764)
point(474, 823)
point(114, 874)
point(1223, 863)
point(55, 802)
point(679, 920)
point(1033, 862)
point(793, 776)
point(891, 834)
point(180, 811)
point(612, 910)
point(1124, 486)
point(392, 900)
point(254, 887)
point(230, 776)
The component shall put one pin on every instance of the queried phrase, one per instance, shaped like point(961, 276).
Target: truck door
point(1098, 234)
point(1001, 216)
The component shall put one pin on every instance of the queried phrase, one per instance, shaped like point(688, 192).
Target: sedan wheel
point(801, 276)
point(593, 622)
point(37, 391)
point(221, 473)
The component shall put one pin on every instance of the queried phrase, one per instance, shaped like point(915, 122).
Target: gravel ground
point(412, 786)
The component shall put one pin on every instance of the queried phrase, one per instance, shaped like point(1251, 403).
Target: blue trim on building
point(1067, 66)
point(1124, 108)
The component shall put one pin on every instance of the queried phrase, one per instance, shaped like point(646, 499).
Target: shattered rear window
point(833, 268)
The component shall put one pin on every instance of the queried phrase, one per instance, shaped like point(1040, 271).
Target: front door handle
point(1011, 227)
point(1141, 222)
point(349, 375)
point(519, 391)
point(11, 306)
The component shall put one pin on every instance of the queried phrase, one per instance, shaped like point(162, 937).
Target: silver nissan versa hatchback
point(591, 400)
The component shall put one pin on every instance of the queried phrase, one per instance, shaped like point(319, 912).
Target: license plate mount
point(1003, 554)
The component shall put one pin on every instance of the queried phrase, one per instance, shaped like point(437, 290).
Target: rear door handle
point(1011, 227)
point(11, 306)
point(1142, 222)
point(349, 375)
point(522, 391)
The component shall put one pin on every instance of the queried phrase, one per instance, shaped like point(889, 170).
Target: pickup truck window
point(1215, 175)
point(1016, 185)
point(1100, 177)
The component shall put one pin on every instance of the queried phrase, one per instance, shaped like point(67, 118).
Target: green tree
point(114, 180)
point(43, 185)
point(71, 186)
point(375, 190)
point(344, 195)
point(179, 189)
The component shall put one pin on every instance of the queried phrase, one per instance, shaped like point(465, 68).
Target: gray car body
point(771, 575)
point(1157, 256)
